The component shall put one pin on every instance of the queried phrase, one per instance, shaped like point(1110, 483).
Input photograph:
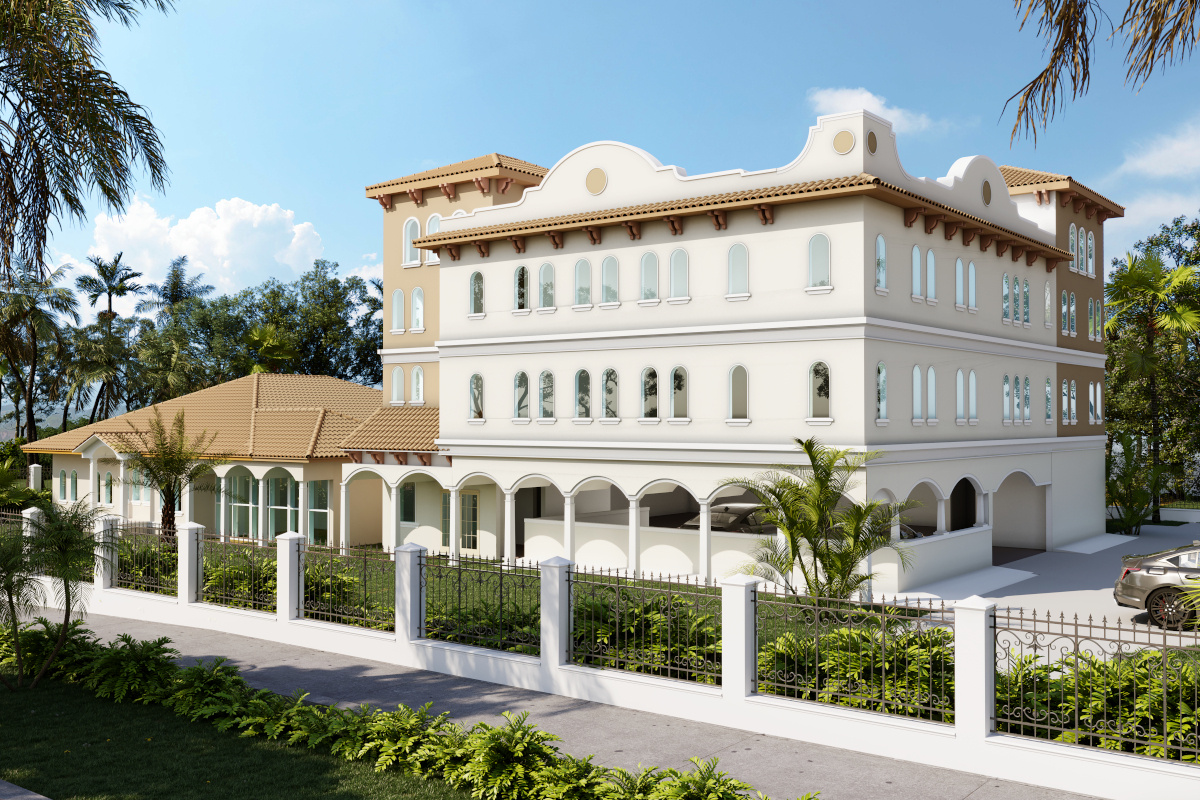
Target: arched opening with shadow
point(1019, 526)
point(417, 508)
point(601, 530)
point(538, 509)
point(963, 505)
point(921, 517)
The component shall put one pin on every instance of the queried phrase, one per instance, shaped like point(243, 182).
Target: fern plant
point(406, 737)
point(571, 778)
point(622, 784)
point(131, 668)
point(705, 782)
point(205, 690)
point(74, 660)
point(503, 763)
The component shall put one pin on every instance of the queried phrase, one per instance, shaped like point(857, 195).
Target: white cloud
point(1143, 216)
point(834, 101)
point(1168, 155)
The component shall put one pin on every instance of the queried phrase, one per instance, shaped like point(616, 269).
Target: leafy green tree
point(168, 366)
point(272, 347)
point(176, 289)
point(21, 592)
point(1132, 485)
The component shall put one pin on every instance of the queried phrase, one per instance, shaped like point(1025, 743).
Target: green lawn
point(62, 742)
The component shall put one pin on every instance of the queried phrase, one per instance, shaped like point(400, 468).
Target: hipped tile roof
point(412, 429)
point(1028, 180)
point(463, 171)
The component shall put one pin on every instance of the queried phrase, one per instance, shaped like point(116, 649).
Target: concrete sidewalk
point(617, 737)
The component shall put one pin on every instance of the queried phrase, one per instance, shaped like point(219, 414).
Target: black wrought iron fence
point(144, 560)
point(483, 602)
point(887, 657)
point(10, 517)
point(1127, 687)
point(354, 586)
point(663, 625)
point(237, 574)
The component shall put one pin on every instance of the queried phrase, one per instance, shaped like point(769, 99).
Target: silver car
point(732, 518)
point(1156, 583)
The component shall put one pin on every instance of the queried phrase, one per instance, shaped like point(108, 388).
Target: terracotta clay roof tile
point(412, 429)
point(462, 171)
point(1031, 179)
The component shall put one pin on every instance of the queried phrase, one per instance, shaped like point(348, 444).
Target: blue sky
point(275, 115)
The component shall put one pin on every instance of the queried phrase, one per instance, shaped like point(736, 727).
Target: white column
point(393, 526)
point(302, 527)
point(569, 527)
point(106, 553)
point(941, 514)
point(226, 521)
point(344, 517)
point(634, 548)
point(188, 536)
point(186, 501)
point(289, 579)
point(990, 508)
point(739, 649)
point(556, 618)
point(94, 482)
point(262, 511)
point(705, 565)
point(510, 527)
point(1050, 543)
point(35, 477)
point(974, 669)
point(455, 522)
point(410, 602)
point(980, 508)
point(123, 490)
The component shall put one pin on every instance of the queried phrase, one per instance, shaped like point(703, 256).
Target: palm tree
point(1145, 296)
point(20, 590)
point(272, 347)
point(168, 366)
point(66, 127)
point(823, 537)
point(177, 287)
point(112, 279)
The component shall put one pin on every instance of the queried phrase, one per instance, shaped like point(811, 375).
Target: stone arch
point(921, 517)
point(964, 505)
point(1019, 515)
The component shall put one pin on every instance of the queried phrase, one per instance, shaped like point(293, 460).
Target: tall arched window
point(1016, 300)
point(1049, 305)
point(398, 310)
point(880, 262)
point(476, 304)
point(930, 276)
point(412, 232)
point(608, 280)
point(649, 393)
point(1017, 399)
point(679, 393)
point(418, 309)
point(62, 484)
point(916, 394)
point(960, 396)
point(1007, 399)
point(1005, 300)
point(1065, 315)
point(1025, 305)
point(521, 396)
point(476, 398)
point(1066, 403)
point(432, 226)
point(546, 281)
point(1074, 418)
point(931, 394)
point(818, 260)
point(74, 486)
point(1028, 400)
point(959, 285)
point(583, 282)
point(971, 285)
point(738, 393)
point(679, 274)
point(416, 379)
point(649, 276)
point(1049, 401)
point(818, 383)
point(739, 269)
point(398, 385)
point(546, 395)
point(1091, 253)
point(583, 395)
point(916, 271)
point(136, 478)
point(521, 289)
point(1091, 320)
point(1071, 245)
point(610, 394)
point(881, 391)
point(108, 487)
point(1082, 249)
point(1099, 404)
point(1072, 313)
point(1091, 403)
point(972, 408)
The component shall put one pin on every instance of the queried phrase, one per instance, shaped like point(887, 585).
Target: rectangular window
point(468, 520)
point(408, 502)
point(318, 512)
point(445, 519)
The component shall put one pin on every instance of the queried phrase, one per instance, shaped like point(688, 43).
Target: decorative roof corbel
point(674, 223)
point(1031, 257)
point(951, 228)
point(503, 185)
point(593, 233)
point(385, 200)
point(720, 218)
point(635, 229)
point(416, 195)
point(1002, 246)
point(910, 216)
point(448, 189)
point(556, 239)
point(455, 253)
point(484, 185)
point(985, 241)
point(969, 235)
point(484, 247)
point(1065, 197)
point(931, 221)
point(1018, 250)
point(518, 243)
point(766, 213)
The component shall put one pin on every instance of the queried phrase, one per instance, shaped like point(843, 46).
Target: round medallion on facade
point(596, 181)
point(843, 142)
point(987, 193)
point(872, 142)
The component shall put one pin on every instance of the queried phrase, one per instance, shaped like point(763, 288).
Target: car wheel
point(1167, 608)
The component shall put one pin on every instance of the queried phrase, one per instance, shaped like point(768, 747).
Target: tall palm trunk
point(12, 614)
point(30, 421)
point(62, 635)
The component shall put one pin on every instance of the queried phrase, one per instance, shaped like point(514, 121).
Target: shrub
point(127, 667)
point(79, 650)
point(503, 762)
point(622, 784)
point(570, 778)
point(702, 783)
point(406, 737)
point(206, 691)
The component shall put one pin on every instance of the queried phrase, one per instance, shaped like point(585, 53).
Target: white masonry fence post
point(35, 477)
point(556, 618)
point(105, 570)
point(410, 596)
point(189, 537)
point(32, 516)
point(739, 639)
point(974, 671)
point(289, 576)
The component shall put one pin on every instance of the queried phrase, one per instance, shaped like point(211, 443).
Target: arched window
point(62, 485)
point(1099, 409)
point(1082, 250)
point(1007, 399)
point(649, 276)
point(608, 279)
point(1071, 245)
point(416, 379)
point(1091, 320)
point(398, 310)
point(418, 309)
point(972, 409)
point(398, 385)
point(679, 274)
point(679, 393)
point(931, 394)
point(1017, 399)
point(583, 395)
point(1091, 253)
point(476, 398)
point(1091, 403)
point(959, 287)
point(1099, 320)
point(74, 486)
point(881, 391)
point(960, 396)
point(1066, 403)
point(546, 280)
point(916, 393)
point(1016, 300)
point(583, 282)
point(412, 232)
point(476, 305)
point(546, 395)
point(521, 396)
point(1049, 305)
point(432, 225)
point(916, 271)
point(1025, 306)
point(1028, 400)
point(880, 262)
point(108, 488)
point(649, 393)
point(971, 285)
point(739, 269)
point(1005, 301)
point(521, 289)
point(136, 477)
point(1049, 401)
point(1065, 315)
point(610, 394)
point(738, 393)
point(1074, 418)
point(818, 390)
point(818, 260)
point(1072, 313)
point(930, 276)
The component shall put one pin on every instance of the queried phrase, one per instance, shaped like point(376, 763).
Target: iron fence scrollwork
point(237, 574)
point(146, 560)
point(482, 602)
point(348, 586)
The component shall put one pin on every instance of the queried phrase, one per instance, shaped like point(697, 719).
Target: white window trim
point(916, 298)
point(520, 420)
point(649, 420)
point(521, 312)
point(959, 307)
point(737, 298)
point(547, 420)
point(931, 421)
point(474, 421)
point(396, 402)
point(882, 423)
point(652, 302)
point(822, 421)
point(480, 315)
point(416, 402)
point(610, 305)
point(972, 309)
point(403, 242)
point(416, 330)
point(679, 301)
point(679, 420)
point(609, 420)
point(973, 421)
point(737, 423)
point(396, 331)
point(818, 289)
point(582, 420)
point(918, 421)
point(960, 422)
point(582, 307)
point(411, 264)
point(932, 301)
point(547, 309)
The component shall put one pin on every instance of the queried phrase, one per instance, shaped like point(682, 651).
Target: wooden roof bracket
point(911, 214)
point(1002, 246)
point(416, 195)
point(1102, 215)
point(1042, 195)
point(593, 233)
point(931, 221)
point(424, 458)
point(449, 461)
point(951, 228)
point(355, 456)
point(969, 235)
point(484, 185)
point(454, 252)
point(378, 458)
point(1031, 257)
point(1018, 250)
point(1089, 210)
point(1078, 204)
point(556, 241)
point(437, 251)
point(504, 183)
point(401, 458)
point(484, 247)
point(985, 241)
point(448, 189)
point(766, 213)
point(635, 229)
point(518, 243)
point(1051, 263)
point(385, 200)
point(1064, 197)
point(720, 218)
point(674, 223)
